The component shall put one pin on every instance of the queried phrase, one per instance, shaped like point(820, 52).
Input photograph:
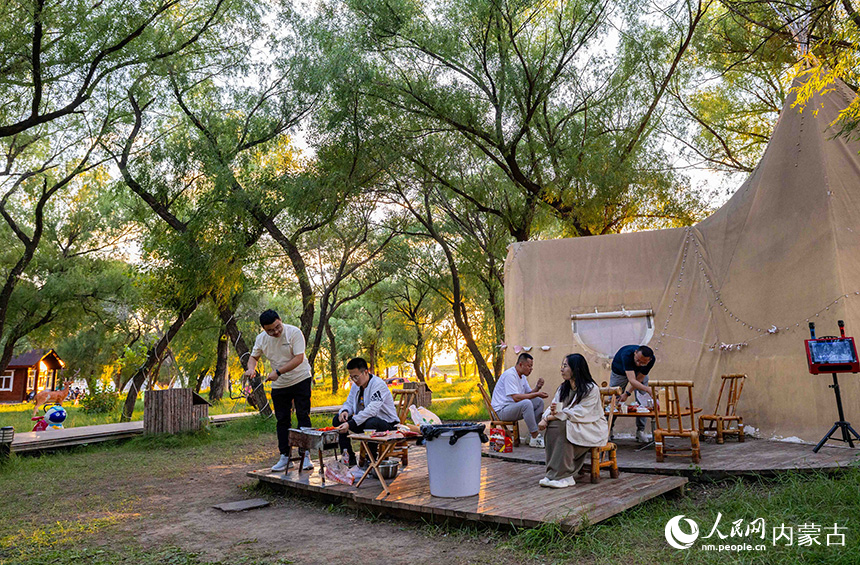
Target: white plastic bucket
point(454, 470)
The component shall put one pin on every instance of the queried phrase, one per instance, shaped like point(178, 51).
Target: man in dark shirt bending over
point(631, 366)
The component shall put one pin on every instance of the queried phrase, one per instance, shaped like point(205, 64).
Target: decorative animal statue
point(53, 396)
point(55, 416)
point(52, 420)
point(41, 423)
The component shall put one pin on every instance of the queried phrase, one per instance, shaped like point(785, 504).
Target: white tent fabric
point(602, 333)
point(731, 294)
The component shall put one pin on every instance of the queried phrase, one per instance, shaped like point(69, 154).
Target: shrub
point(100, 402)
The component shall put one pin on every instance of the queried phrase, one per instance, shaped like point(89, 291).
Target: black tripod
point(847, 430)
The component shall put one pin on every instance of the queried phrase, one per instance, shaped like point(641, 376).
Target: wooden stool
point(598, 462)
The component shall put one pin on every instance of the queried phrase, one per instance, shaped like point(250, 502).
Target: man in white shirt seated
point(513, 398)
point(369, 406)
point(284, 347)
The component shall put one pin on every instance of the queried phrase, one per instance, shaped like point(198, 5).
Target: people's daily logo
point(749, 535)
point(677, 537)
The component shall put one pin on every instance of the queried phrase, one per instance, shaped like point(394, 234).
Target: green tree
point(421, 309)
point(528, 86)
point(62, 64)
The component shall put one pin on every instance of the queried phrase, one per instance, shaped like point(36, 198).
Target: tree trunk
point(154, 358)
point(373, 347)
point(200, 378)
point(371, 358)
point(7, 354)
point(219, 379)
point(457, 353)
point(499, 328)
point(418, 361)
point(259, 399)
point(461, 318)
point(306, 320)
point(332, 358)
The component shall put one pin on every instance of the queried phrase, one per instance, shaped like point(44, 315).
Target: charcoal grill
point(313, 440)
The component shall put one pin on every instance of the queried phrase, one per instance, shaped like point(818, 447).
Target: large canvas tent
point(731, 294)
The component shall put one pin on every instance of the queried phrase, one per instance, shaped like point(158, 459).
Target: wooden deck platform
point(510, 494)
point(753, 457)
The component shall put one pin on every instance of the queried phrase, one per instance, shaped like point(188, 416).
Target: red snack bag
point(500, 441)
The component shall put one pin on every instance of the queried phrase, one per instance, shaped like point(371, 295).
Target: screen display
point(835, 351)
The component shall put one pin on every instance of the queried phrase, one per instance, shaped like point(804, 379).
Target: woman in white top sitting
point(573, 424)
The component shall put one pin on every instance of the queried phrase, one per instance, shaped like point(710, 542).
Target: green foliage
point(525, 98)
point(100, 401)
point(67, 69)
point(494, 121)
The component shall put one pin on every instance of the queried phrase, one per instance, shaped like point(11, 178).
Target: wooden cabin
point(35, 370)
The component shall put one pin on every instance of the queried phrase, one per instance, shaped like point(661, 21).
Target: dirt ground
point(292, 530)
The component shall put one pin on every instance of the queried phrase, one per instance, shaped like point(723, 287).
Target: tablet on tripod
point(832, 355)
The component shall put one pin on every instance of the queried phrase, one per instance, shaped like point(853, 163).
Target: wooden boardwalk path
point(509, 495)
point(33, 442)
point(753, 457)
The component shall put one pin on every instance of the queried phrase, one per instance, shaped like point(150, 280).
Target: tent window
point(6, 380)
point(603, 333)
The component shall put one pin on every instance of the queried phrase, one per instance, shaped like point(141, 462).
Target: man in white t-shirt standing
point(284, 347)
point(513, 398)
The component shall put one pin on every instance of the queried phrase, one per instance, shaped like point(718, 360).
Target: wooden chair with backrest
point(670, 417)
point(729, 415)
point(604, 457)
point(402, 399)
point(495, 422)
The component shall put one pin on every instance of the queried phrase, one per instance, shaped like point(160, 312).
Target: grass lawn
point(469, 408)
point(18, 415)
point(89, 505)
point(93, 505)
point(53, 503)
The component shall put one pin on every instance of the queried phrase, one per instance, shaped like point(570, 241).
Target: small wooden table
point(385, 446)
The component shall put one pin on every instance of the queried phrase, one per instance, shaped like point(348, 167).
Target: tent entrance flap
point(603, 333)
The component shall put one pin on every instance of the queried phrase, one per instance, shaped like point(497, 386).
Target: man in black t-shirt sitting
point(631, 366)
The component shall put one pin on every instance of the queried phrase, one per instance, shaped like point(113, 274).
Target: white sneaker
point(306, 462)
point(537, 442)
point(562, 483)
point(544, 482)
point(283, 464)
point(642, 437)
